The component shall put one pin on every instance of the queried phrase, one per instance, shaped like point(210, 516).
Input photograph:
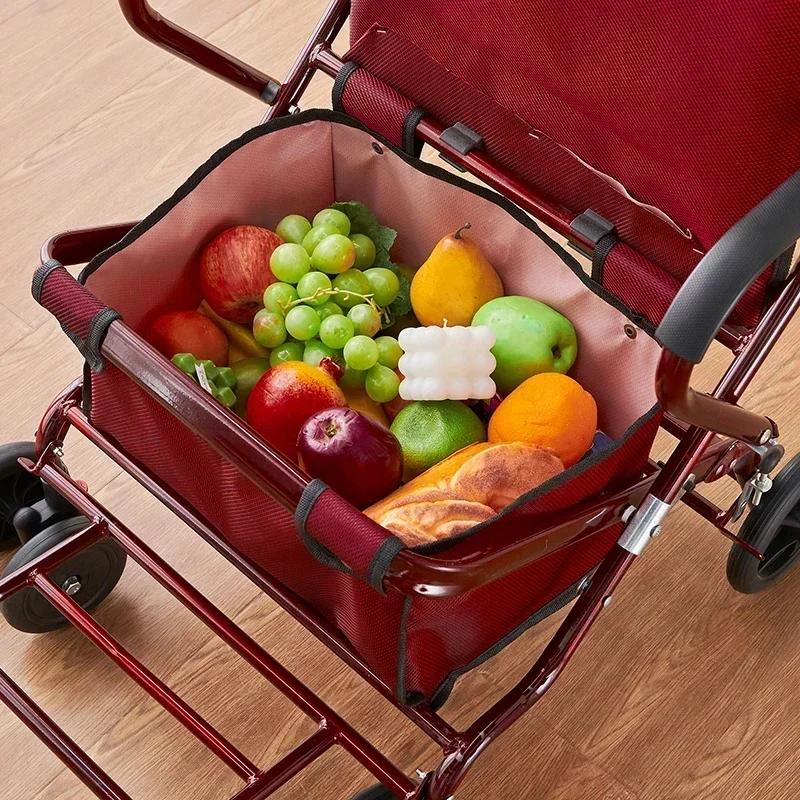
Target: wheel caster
point(376, 792)
point(18, 489)
point(773, 528)
point(89, 577)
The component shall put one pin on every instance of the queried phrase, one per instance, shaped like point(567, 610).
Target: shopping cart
point(661, 148)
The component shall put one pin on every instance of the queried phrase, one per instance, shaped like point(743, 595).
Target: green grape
point(293, 228)
point(365, 250)
point(351, 286)
point(302, 322)
point(315, 351)
point(212, 370)
point(316, 235)
point(312, 283)
point(289, 351)
point(328, 309)
point(382, 384)
point(336, 331)
point(226, 396)
point(334, 254)
point(361, 352)
point(269, 328)
point(366, 320)
point(384, 285)
point(226, 377)
point(278, 296)
point(338, 219)
point(389, 351)
point(289, 262)
point(185, 362)
point(353, 378)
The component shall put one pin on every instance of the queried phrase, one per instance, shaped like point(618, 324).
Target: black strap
point(384, 556)
point(600, 253)
point(411, 144)
point(41, 275)
point(310, 495)
point(338, 85)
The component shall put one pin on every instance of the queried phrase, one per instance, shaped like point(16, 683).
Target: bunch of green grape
point(329, 303)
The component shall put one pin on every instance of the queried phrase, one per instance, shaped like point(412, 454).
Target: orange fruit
point(551, 410)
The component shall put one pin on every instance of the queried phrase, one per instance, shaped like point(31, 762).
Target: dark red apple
point(354, 454)
point(234, 271)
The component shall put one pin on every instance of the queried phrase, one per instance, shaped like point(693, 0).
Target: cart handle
point(724, 274)
point(171, 37)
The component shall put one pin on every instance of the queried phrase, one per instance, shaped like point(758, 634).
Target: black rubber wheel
point(772, 527)
point(18, 488)
point(89, 577)
point(376, 792)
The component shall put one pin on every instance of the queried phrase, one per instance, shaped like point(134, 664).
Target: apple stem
point(465, 226)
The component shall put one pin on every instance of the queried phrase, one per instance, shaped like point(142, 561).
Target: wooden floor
point(684, 690)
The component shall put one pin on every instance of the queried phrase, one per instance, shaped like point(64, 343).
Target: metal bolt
point(628, 513)
point(71, 585)
point(655, 532)
point(607, 602)
point(421, 775)
point(58, 452)
point(765, 436)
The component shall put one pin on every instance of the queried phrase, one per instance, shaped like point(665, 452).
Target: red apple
point(188, 332)
point(354, 454)
point(234, 271)
point(285, 397)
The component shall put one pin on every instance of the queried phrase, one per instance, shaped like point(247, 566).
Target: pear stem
point(465, 226)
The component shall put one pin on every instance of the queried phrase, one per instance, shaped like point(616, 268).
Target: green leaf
point(362, 220)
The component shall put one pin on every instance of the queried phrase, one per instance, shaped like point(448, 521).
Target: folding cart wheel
point(376, 792)
point(38, 518)
point(773, 528)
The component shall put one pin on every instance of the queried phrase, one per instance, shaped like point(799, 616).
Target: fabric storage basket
point(299, 164)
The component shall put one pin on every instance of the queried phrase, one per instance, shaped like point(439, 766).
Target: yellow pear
point(454, 282)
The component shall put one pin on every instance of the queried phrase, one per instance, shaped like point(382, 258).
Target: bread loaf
point(467, 488)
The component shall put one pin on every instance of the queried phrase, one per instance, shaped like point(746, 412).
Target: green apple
point(531, 338)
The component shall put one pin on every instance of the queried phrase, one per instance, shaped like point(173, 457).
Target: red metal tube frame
point(171, 37)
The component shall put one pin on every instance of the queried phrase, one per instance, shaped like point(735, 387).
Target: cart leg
point(443, 782)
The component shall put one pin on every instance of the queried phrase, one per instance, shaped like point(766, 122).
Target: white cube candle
point(447, 363)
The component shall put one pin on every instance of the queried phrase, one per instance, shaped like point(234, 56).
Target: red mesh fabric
point(69, 302)
point(378, 105)
point(690, 106)
point(355, 543)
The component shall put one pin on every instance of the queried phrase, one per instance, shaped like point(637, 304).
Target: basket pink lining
point(303, 169)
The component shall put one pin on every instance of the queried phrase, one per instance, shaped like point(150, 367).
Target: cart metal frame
point(717, 438)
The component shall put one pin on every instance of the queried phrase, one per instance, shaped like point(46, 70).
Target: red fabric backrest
point(693, 106)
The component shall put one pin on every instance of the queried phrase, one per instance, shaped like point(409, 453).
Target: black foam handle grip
point(726, 271)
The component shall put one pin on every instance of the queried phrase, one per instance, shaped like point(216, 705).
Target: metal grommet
point(630, 330)
point(377, 148)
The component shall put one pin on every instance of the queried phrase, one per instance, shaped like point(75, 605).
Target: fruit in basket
point(351, 288)
point(302, 323)
point(454, 282)
point(365, 251)
point(293, 228)
point(285, 397)
point(289, 262)
point(361, 353)
point(241, 342)
point(365, 318)
point(336, 331)
point(431, 430)
point(314, 289)
point(384, 285)
point(315, 351)
point(188, 332)
point(358, 399)
point(334, 218)
point(382, 383)
point(316, 235)
point(334, 254)
point(248, 371)
point(351, 452)
point(389, 351)
point(279, 296)
point(288, 351)
point(269, 328)
point(531, 338)
point(234, 270)
point(550, 410)
point(394, 407)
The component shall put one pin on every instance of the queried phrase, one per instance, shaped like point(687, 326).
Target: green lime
point(431, 430)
